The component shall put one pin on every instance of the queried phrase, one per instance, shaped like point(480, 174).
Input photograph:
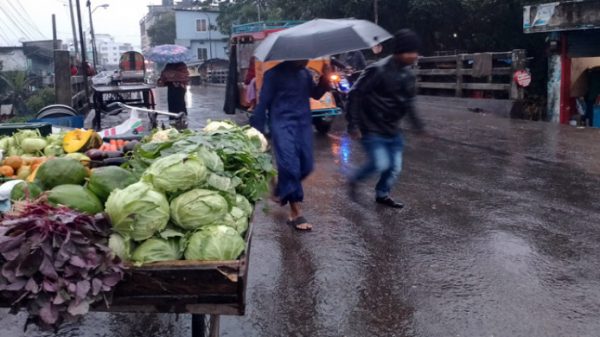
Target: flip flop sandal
point(299, 221)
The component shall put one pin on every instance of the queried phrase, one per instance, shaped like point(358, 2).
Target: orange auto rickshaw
point(244, 68)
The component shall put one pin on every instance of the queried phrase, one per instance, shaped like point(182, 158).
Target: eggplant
point(130, 146)
point(96, 154)
point(113, 154)
point(118, 161)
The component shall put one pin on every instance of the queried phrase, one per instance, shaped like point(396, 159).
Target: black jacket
point(382, 96)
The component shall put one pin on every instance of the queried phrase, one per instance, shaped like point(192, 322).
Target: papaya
point(107, 179)
point(60, 171)
point(80, 140)
point(75, 197)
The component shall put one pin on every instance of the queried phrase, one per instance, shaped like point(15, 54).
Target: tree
point(163, 31)
point(16, 88)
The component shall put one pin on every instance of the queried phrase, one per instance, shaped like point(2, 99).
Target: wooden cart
point(134, 94)
point(206, 290)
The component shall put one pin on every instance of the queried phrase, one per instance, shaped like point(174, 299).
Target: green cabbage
point(216, 126)
point(177, 172)
point(120, 246)
point(257, 136)
point(237, 220)
point(212, 160)
point(215, 243)
point(138, 211)
point(155, 249)
point(242, 203)
point(198, 208)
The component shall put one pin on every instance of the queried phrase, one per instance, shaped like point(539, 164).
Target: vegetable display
point(55, 262)
point(173, 195)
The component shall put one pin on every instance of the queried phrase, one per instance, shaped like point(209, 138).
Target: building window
point(202, 54)
point(201, 25)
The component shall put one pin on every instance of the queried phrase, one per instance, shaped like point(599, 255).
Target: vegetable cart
point(206, 290)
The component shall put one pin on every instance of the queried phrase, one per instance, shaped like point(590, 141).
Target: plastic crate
point(75, 122)
point(8, 129)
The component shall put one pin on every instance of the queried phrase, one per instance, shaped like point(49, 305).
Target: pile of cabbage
point(195, 195)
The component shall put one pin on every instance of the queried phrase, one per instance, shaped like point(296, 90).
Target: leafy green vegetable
point(138, 211)
point(120, 246)
point(155, 249)
point(242, 203)
point(197, 208)
point(175, 173)
point(237, 219)
point(215, 243)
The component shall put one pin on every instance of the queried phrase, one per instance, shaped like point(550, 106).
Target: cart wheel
point(205, 325)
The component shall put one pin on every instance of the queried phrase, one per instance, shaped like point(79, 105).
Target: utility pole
point(54, 34)
point(259, 10)
point(83, 55)
point(73, 27)
point(376, 10)
point(93, 36)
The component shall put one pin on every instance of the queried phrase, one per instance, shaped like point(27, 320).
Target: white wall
point(13, 60)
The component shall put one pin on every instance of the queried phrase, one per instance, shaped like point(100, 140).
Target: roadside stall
point(165, 229)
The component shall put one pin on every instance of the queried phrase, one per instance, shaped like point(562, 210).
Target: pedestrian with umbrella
point(287, 89)
point(175, 76)
point(383, 95)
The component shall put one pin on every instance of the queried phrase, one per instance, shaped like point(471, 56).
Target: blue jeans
point(385, 158)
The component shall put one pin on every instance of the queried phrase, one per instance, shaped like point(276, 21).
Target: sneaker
point(389, 202)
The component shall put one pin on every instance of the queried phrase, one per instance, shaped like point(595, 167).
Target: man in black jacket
point(379, 100)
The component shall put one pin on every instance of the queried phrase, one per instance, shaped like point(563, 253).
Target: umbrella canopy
point(320, 37)
point(169, 53)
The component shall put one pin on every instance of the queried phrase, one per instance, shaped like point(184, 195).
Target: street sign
point(523, 78)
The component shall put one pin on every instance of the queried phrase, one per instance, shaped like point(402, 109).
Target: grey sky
point(120, 19)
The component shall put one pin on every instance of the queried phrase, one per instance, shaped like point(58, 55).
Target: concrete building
point(573, 29)
point(109, 51)
point(12, 59)
point(197, 30)
point(155, 12)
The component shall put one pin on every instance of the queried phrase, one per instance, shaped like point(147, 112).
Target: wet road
point(500, 238)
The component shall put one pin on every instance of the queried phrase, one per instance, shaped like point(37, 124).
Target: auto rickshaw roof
point(263, 27)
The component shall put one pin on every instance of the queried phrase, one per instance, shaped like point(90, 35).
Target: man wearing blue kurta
point(285, 95)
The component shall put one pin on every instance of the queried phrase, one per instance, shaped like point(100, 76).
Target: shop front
point(573, 29)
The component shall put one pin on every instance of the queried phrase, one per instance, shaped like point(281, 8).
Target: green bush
point(40, 99)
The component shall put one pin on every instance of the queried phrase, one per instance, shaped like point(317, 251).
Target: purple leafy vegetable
point(55, 263)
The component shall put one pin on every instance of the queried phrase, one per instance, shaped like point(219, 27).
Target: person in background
point(379, 100)
point(285, 94)
point(355, 60)
point(250, 83)
point(175, 77)
point(74, 70)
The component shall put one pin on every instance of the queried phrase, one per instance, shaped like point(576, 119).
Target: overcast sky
point(120, 19)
